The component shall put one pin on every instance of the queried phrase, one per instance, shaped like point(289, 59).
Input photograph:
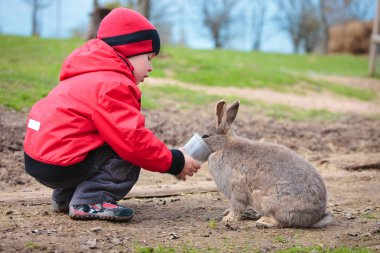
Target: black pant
point(102, 176)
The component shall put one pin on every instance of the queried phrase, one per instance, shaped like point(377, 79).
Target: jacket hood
point(95, 55)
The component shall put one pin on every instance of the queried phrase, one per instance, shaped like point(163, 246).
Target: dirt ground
point(346, 153)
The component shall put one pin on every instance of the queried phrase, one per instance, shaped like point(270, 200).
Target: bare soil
point(345, 152)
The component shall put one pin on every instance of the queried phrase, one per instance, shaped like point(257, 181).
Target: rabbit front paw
point(266, 222)
point(232, 216)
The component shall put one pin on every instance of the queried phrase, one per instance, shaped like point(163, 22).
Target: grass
point(319, 249)
point(346, 91)
point(185, 97)
point(31, 245)
point(263, 70)
point(280, 239)
point(213, 224)
point(369, 216)
point(166, 249)
point(30, 66)
point(236, 248)
point(281, 111)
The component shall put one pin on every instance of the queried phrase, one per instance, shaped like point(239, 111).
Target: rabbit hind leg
point(267, 222)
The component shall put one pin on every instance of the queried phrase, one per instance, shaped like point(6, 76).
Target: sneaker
point(102, 211)
point(60, 206)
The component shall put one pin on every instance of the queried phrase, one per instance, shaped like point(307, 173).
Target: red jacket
point(96, 102)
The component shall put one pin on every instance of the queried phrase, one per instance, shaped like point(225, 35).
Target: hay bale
point(351, 37)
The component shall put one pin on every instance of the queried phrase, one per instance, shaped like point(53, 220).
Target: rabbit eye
point(205, 136)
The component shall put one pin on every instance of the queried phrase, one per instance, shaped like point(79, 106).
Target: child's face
point(142, 65)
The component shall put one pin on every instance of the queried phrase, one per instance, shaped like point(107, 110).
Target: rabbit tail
point(326, 219)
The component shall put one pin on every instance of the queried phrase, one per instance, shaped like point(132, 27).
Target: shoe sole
point(97, 217)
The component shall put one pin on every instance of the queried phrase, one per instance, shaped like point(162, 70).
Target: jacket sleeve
point(119, 121)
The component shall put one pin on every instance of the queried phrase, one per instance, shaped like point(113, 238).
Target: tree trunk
point(35, 31)
point(97, 16)
point(325, 26)
point(144, 7)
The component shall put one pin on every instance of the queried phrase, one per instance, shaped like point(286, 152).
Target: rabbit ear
point(220, 110)
point(232, 112)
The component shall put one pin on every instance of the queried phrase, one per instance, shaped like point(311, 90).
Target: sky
point(15, 19)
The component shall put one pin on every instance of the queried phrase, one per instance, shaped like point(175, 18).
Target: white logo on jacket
point(33, 124)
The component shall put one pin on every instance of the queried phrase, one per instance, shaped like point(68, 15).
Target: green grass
point(185, 98)
point(369, 216)
point(318, 249)
point(280, 239)
point(152, 96)
point(280, 72)
point(212, 224)
point(158, 249)
point(30, 66)
point(236, 248)
point(31, 245)
point(347, 91)
point(166, 249)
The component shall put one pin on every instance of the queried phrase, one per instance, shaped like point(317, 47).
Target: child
point(87, 138)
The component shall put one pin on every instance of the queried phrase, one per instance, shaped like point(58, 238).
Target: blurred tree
point(324, 10)
point(258, 13)
point(218, 17)
point(310, 29)
point(97, 14)
point(37, 5)
point(159, 13)
point(292, 18)
point(144, 7)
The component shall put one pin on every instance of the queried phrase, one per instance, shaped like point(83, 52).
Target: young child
point(87, 138)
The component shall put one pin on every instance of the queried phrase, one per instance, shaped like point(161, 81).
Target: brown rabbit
point(272, 179)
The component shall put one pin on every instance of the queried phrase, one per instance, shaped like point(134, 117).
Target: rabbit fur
point(272, 179)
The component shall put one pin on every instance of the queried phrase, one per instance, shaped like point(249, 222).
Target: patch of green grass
point(31, 245)
point(29, 68)
point(369, 216)
point(280, 72)
point(280, 111)
point(232, 247)
point(213, 224)
point(229, 245)
point(158, 249)
point(342, 90)
point(184, 97)
point(280, 239)
point(167, 249)
point(320, 249)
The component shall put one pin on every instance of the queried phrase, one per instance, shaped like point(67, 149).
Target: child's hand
point(190, 168)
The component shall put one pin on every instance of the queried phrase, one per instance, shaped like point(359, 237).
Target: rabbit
point(272, 179)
